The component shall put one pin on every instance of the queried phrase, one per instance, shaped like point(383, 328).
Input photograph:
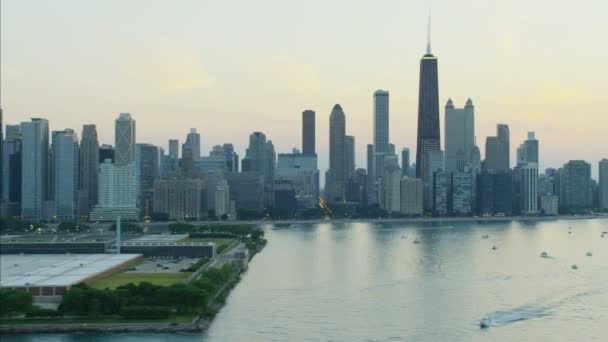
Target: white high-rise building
point(34, 168)
point(124, 138)
point(459, 136)
point(222, 198)
point(391, 185)
point(411, 196)
point(527, 171)
point(66, 164)
point(117, 192)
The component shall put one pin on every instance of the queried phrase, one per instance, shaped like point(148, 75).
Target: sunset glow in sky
point(230, 68)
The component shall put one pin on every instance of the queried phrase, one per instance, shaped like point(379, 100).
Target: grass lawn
point(119, 279)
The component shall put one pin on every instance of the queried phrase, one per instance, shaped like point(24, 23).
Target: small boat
point(484, 323)
point(416, 242)
point(589, 254)
point(485, 236)
point(574, 267)
point(494, 248)
point(544, 255)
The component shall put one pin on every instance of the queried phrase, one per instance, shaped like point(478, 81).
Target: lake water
point(371, 282)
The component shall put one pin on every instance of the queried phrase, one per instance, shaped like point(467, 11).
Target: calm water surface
point(371, 282)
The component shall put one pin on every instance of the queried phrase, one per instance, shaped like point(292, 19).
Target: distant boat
point(544, 255)
point(485, 236)
point(494, 248)
point(589, 254)
point(416, 242)
point(574, 267)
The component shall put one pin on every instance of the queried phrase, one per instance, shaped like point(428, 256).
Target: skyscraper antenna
point(428, 35)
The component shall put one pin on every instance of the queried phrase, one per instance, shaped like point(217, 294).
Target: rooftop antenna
point(428, 35)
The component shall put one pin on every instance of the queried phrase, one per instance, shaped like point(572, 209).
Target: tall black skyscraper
point(428, 112)
point(308, 132)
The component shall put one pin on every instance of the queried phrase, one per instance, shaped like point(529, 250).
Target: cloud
point(170, 70)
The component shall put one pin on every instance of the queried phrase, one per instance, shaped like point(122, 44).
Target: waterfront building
point(124, 139)
point(575, 185)
point(459, 136)
point(381, 121)
point(428, 139)
point(336, 175)
point(497, 150)
point(89, 161)
point(148, 169)
point(308, 132)
point(301, 170)
point(527, 176)
point(222, 198)
point(247, 190)
point(462, 193)
point(494, 192)
point(349, 157)
point(11, 169)
point(284, 198)
point(603, 183)
point(442, 185)
point(180, 199)
point(549, 204)
point(391, 186)
point(35, 168)
point(435, 161)
point(66, 165)
point(372, 194)
point(411, 196)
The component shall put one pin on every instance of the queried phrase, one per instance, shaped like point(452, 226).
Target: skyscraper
point(193, 143)
point(372, 195)
point(428, 112)
point(381, 121)
point(11, 166)
point(405, 161)
point(148, 167)
point(173, 154)
point(527, 175)
point(390, 183)
point(603, 190)
point(575, 185)
point(335, 180)
point(35, 168)
point(497, 150)
point(89, 161)
point(411, 196)
point(66, 155)
point(349, 157)
point(459, 136)
point(124, 138)
point(308, 132)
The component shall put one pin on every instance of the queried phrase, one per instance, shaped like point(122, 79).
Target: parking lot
point(162, 265)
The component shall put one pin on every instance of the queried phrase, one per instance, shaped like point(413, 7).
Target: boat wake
point(546, 306)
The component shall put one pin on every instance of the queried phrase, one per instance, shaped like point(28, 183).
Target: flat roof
point(150, 238)
point(33, 270)
point(56, 238)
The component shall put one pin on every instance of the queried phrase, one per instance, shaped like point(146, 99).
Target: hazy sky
point(230, 68)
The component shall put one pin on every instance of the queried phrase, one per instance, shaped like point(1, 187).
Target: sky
point(229, 68)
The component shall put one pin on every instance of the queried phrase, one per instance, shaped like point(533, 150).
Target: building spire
point(428, 35)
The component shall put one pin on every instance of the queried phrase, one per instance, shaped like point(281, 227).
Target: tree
point(14, 302)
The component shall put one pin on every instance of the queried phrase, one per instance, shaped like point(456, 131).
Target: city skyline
point(534, 101)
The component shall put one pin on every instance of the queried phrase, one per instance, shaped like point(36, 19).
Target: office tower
point(349, 157)
point(358, 188)
point(106, 152)
point(428, 113)
point(260, 156)
point(187, 162)
point(336, 175)
point(1, 153)
point(603, 190)
point(11, 166)
point(66, 164)
point(411, 196)
point(497, 150)
point(528, 151)
point(247, 191)
point(179, 199)
point(193, 144)
point(435, 163)
point(381, 121)
point(124, 139)
point(527, 175)
point(117, 193)
point(301, 170)
point(89, 161)
point(148, 167)
point(284, 198)
point(173, 154)
point(35, 168)
point(232, 158)
point(372, 197)
point(459, 136)
point(308, 132)
point(462, 193)
point(442, 185)
point(575, 185)
point(222, 199)
point(494, 192)
point(405, 161)
point(391, 185)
